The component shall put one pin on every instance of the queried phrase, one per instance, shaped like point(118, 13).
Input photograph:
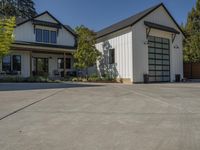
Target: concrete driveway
point(99, 117)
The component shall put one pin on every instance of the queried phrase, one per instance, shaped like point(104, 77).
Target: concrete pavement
point(99, 117)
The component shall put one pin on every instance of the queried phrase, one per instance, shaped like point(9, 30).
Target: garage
point(159, 59)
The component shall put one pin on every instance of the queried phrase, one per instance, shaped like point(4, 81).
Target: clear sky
point(97, 14)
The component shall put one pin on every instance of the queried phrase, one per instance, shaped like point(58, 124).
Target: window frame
point(10, 63)
point(20, 63)
point(62, 63)
point(51, 36)
point(111, 57)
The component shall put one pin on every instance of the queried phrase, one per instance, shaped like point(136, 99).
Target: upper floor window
point(46, 36)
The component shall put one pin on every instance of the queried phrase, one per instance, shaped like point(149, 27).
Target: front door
point(159, 59)
point(41, 66)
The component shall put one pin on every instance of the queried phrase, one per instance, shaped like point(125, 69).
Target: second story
point(45, 29)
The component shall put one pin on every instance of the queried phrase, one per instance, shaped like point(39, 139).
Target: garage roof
point(131, 21)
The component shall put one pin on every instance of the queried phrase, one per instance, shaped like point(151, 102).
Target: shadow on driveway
point(38, 86)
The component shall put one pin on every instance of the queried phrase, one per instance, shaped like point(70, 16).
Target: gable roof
point(46, 12)
point(133, 20)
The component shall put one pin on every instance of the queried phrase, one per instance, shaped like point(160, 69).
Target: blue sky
point(97, 14)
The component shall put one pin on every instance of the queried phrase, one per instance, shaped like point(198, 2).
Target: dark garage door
point(159, 59)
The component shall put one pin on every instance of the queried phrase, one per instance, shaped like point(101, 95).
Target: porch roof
point(31, 46)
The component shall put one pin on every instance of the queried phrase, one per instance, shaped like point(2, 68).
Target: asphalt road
point(99, 117)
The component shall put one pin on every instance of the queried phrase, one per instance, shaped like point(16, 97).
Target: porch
point(25, 61)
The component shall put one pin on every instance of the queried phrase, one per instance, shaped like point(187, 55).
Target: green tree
point(18, 8)
point(6, 34)
point(192, 32)
point(86, 55)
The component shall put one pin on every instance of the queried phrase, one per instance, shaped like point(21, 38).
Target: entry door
point(41, 66)
point(159, 59)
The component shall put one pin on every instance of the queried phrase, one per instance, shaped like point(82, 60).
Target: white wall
point(122, 43)
point(140, 50)
point(25, 32)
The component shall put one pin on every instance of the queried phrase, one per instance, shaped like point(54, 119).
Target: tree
point(18, 8)
point(86, 55)
point(6, 34)
point(192, 32)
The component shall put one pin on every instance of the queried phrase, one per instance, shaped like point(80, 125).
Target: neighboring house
point(43, 46)
point(149, 42)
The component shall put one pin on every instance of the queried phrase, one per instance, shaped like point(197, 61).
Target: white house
point(149, 42)
point(42, 46)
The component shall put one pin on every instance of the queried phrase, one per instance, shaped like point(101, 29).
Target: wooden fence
point(192, 70)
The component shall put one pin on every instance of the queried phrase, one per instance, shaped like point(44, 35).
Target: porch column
point(31, 72)
point(64, 65)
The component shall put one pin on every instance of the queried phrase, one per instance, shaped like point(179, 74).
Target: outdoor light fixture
point(176, 47)
point(146, 43)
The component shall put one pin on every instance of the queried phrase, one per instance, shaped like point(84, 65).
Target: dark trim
point(46, 12)
point(140, 18)
point(45, 23)
point(43, 45)
point(160, 27)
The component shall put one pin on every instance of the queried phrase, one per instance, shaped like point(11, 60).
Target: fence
point(192, 70)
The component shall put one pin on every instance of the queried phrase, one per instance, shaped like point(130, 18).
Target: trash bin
point(178, 78)
point(146, 78)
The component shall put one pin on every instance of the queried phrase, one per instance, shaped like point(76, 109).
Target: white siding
point(25, 32)
point(140, 50)
point(122, 43)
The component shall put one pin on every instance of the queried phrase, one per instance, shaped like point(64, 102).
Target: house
point(149, 42)
point(43, 46)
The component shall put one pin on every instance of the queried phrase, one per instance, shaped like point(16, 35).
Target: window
point(38, 35)
point(6, 63)
point(111, 56)
point(46, 36)
point(68, 63)
point(16, 62)
point(53, 37)
point(61, 63)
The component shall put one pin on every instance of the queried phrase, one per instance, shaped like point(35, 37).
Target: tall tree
point(6, 32)
point(86, 55)
point(18, 8)
point(192, 31)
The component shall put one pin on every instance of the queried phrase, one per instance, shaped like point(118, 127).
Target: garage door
point(159, 59)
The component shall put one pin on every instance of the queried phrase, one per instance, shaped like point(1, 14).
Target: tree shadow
point(43, 86)
point(104, 67)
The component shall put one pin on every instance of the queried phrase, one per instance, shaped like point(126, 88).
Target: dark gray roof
point(161, 27)
point(131, 21)
point(71, 29)
point(43, 45)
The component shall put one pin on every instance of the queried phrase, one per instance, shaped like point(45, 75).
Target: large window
point(38, 35)
point(13, 64)
point(16, 63)
point(46, 36)
point(61, 63)
point(111, 56)
point(6, 63)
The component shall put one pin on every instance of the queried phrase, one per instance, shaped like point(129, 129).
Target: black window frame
point(17, 66)
point(10, 64)
point(45, 36)
point(111, 56)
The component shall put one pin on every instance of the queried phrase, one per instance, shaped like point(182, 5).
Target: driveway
point(99, 117)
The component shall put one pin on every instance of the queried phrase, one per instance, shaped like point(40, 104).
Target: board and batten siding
point(140, 50)
point(25, 32)
point(122, 43)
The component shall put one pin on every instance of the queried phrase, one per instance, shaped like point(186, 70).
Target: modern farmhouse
point(42, 46)
point(148, 43)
